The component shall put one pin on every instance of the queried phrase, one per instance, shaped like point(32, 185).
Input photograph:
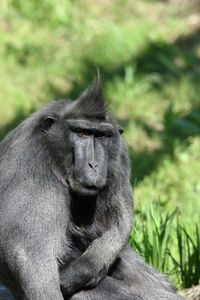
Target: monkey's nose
point(93, 165)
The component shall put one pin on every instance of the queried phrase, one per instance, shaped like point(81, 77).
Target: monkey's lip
point(88, 190)
point(90, 187)
point(83, 189)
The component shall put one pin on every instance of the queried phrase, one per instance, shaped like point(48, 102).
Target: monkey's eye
point(48, 122)
point(84, 134)
point(99, 135)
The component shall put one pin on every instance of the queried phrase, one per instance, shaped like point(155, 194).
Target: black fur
point(66, 208)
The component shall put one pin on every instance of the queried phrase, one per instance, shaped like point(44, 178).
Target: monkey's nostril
point(93, 165)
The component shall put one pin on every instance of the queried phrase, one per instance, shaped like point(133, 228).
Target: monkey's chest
point(86, 226)
point(83, 212)
point(88, 221)
point(84, 232)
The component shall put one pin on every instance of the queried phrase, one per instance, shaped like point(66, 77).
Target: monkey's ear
point(48, 122)
point(121, 130)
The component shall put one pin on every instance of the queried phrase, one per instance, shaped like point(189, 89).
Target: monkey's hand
point(80, 274)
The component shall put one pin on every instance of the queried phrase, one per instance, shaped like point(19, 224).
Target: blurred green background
point(148, 53)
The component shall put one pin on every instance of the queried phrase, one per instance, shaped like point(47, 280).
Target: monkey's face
point(83, 140)
point(90, 153)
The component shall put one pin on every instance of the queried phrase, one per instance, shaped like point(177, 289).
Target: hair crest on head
point(91, 103)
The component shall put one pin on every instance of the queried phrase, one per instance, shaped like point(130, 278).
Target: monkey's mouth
point(90, 187)
point(83, 189)
point(90, 190)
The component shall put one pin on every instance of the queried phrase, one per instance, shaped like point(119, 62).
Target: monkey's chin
point(83, 190)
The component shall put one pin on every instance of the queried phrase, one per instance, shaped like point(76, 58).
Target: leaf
point(185, 128)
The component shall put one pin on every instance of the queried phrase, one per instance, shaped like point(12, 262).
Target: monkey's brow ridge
point(92, 125)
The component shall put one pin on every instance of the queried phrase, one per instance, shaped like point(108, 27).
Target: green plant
point(188, 261)
point(166, 244)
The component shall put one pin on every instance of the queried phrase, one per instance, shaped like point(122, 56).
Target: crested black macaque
point(66, 208)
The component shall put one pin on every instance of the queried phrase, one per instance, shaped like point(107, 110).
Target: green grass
point(148, 55)
point(168, 243)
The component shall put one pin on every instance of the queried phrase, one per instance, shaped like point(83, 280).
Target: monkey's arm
point(94, 263)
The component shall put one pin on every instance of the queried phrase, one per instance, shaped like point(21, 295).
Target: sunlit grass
point(167, 243)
